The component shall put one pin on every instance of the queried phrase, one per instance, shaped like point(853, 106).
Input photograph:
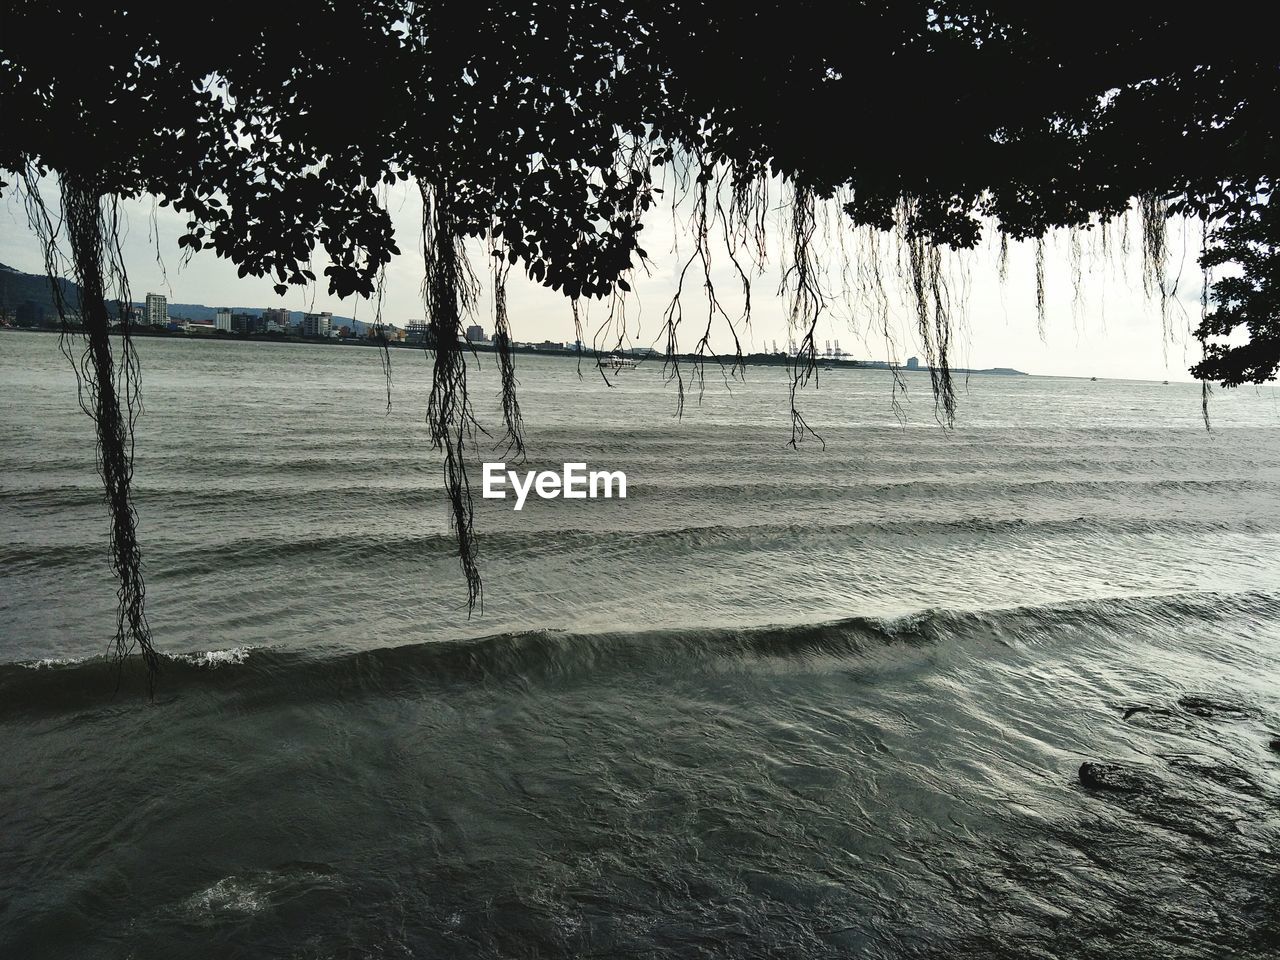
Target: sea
point(1006, 690)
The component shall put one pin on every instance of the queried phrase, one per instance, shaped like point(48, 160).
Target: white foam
point(215, 658)
point(232, 894)
point(48, 663)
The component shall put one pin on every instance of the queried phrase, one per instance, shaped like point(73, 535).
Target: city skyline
point(1106, 326)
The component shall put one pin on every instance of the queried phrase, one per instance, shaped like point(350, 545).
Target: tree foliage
point(546, 129)
point(1249, 240)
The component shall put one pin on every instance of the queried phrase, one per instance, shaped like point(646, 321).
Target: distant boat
point(1166, 383)
point(1093, 379)
point(615, 362)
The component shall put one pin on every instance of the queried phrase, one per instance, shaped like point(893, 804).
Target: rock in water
point(1113, 776)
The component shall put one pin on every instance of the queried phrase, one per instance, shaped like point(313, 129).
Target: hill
point(29, 294)
point(29, 298)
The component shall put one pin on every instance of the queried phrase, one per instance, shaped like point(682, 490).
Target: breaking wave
point(541, 656)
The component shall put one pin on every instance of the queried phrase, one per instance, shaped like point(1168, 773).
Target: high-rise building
point(913, 363)
point(157, 309)
point(317, 324)
point(222, 319)
point(475, 334)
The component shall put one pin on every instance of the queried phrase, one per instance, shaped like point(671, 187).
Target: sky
point(1112, 330)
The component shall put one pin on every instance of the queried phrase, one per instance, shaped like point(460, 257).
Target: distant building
point(157, 310)
point(415, 331)
point(276, 320)
point(550, 345)
point(222, 319)
point(317, 324)
point(913, 363)
point(475, 334)
point(378, 331)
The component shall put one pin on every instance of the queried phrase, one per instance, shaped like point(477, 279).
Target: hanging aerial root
point(384, 345)
point(927, 289)
point(449, 292)
point(1206, 280)
point(1040, 288)
point(943, 387)
point(869, 297)
point(108, 389)
point(1153, 213)
point(1075, 254)
point(800, 280)
point(514, 437)
point(735, 221)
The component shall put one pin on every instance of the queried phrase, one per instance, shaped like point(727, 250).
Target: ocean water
point(785, 703)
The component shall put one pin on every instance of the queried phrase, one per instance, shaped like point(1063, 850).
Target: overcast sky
point(1112, 331)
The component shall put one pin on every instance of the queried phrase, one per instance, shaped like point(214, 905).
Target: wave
point(280, 674)
point(384, 547)
point(839, 483)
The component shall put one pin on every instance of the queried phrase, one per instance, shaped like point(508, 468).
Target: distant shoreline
point(751, 359)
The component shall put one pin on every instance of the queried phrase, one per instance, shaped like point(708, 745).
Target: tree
point(1250, 239)
point(542, 129)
